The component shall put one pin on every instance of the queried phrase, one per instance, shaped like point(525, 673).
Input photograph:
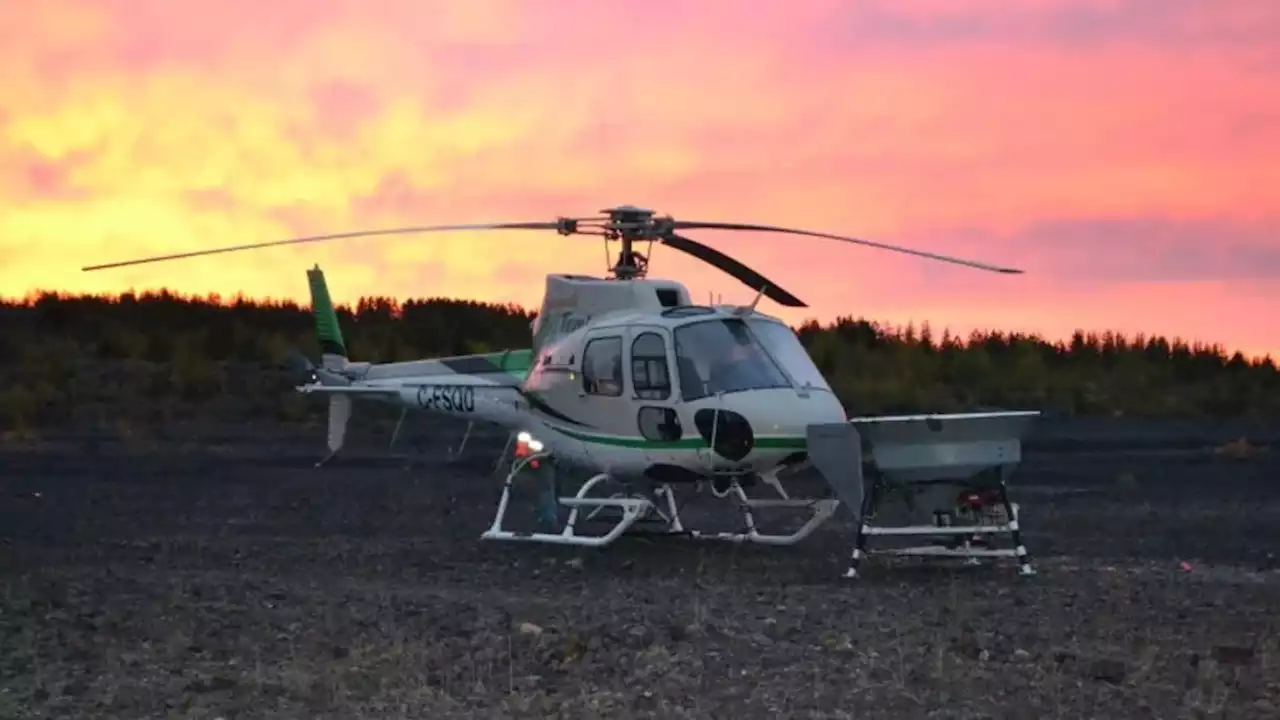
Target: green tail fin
point(330, 334)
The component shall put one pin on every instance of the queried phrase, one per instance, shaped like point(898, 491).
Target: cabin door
point(649, 363)
point(603, 398)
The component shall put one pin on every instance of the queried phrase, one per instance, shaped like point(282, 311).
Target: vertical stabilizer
point(333, 350)
point(333, 356)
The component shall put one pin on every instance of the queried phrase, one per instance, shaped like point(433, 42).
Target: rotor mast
point(628, 225)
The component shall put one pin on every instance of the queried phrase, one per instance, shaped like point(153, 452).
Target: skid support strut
point(655, 502)
point(820, 510)
point(632, 510)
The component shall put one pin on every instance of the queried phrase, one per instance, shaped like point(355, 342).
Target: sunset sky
point(1125, 153)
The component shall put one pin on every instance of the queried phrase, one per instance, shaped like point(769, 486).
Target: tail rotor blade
point(299, 368)
point(295, 359)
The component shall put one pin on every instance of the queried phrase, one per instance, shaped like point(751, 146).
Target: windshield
point(785, 347)
point(715, 356)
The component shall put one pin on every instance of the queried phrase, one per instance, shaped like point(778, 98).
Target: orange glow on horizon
point(1123, 154)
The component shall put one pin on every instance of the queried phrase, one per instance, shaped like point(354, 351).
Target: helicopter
point(630, 380)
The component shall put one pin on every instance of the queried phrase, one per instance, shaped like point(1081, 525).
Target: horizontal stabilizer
point(362, 390)
point(386, 390)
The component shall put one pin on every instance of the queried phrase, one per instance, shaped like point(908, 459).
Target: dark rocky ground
point(232, 579)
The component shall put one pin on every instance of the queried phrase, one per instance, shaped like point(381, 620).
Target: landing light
point(527, 444)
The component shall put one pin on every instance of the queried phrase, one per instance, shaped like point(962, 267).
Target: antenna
point(748, 309)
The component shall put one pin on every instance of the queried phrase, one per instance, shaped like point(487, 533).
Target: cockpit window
point(722, 356)
point(785, 347)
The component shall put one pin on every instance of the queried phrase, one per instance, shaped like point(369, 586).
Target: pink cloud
point(1094, 142)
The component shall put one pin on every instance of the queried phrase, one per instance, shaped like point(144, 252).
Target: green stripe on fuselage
point(512, 362)
point(515, 363)
point(695, 443)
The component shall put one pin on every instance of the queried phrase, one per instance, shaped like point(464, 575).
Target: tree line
point(164, 355)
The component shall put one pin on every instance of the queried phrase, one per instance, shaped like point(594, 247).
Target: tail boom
point(460, 397)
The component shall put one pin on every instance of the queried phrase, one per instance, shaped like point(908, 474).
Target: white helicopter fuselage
point(676, 394)
point(628, 378)
point(669, 394)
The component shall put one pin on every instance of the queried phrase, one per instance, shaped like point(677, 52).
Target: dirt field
point(238, 581)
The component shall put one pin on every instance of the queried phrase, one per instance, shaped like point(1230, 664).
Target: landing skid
point(656, 503)
point(914, 454)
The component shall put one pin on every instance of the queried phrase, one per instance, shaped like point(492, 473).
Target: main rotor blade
point(744, 274)
point(322, 238)
point(696, 225)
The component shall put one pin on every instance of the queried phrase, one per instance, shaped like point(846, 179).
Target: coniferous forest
point(163, 358)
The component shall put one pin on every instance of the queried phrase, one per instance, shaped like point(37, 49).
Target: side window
point(649, 374)
point(602, 367)
point(658, 423)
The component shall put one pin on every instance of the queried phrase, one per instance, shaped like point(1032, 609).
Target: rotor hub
point(628, 224)
point(627, 213)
